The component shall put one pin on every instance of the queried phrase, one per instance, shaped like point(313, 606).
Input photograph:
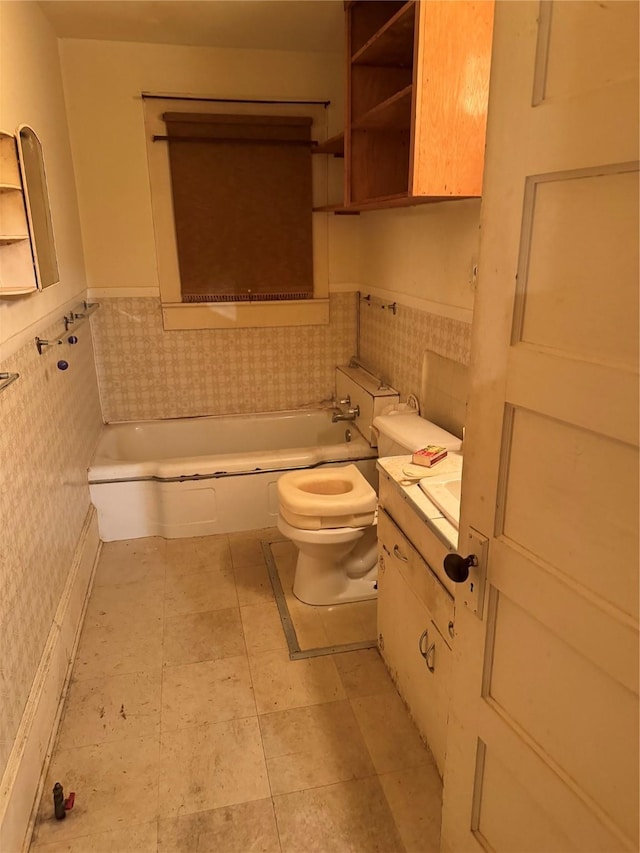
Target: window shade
point(242, 199)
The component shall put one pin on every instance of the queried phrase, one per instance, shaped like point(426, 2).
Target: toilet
point(330, 513)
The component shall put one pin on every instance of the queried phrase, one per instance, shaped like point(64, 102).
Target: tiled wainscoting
point(50, 422)
point(392, 345)
point(145, 372)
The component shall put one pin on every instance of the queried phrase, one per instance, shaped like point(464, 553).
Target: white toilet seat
point(327, 535)
point(330, 498)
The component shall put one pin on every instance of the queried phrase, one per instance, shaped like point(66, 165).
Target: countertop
point(405, 476)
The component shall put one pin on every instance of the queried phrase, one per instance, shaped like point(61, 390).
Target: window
point(242, 202)
point(233, 187)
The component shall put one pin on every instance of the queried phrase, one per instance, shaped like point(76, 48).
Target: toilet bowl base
point(314, 584)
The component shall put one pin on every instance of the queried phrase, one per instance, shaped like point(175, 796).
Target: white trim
point(120, 292)
point(452, 312)
point(26, 769)
point(24, 336)
point(244, 315)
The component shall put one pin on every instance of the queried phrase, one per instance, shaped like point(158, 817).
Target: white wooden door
point(542, 749)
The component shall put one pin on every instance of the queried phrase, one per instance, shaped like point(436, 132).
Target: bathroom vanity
point(415, 597)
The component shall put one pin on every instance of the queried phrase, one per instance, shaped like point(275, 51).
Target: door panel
point(571, 65)
point(575, 712)
point(542, 744)
point(576, 275)
point(580, 488)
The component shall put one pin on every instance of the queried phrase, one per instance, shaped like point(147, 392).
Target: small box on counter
point(429, 455)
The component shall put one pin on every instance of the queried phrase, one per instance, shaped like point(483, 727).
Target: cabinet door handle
point(430, 657)
point(424, 638)
point(397, 553)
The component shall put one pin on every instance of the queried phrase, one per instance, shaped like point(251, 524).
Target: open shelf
point(334, 145)
point(392, 113)
point(392, 45)
point(5, 239)
point(338, 209)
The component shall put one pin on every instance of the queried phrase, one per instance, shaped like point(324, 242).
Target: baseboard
point(23, 777)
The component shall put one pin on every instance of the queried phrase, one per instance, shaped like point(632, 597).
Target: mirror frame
point(34, 182)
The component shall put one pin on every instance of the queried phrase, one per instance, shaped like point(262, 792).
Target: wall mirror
point(34, 181)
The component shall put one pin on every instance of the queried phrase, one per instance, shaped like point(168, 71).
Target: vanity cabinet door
point(416, 654)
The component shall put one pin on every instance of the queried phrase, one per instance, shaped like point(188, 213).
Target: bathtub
point(199, 476)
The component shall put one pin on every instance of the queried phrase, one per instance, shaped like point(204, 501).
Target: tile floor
point(187, 727)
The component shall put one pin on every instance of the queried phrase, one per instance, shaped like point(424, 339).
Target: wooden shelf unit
point(416, 122)
point(17, 271)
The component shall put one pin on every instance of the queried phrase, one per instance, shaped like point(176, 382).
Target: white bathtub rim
point(104, 470)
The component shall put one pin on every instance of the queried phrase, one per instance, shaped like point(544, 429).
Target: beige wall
point(103, 84)
point(49, 419)
point(424, 254)
point(31, 93)
point(421, 258)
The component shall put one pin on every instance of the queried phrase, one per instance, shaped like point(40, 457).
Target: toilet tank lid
point(415, 432)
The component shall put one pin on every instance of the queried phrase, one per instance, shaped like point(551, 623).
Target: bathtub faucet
point(349, 415)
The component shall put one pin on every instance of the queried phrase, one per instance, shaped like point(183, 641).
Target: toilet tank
point(368, 393)
point(399, 434)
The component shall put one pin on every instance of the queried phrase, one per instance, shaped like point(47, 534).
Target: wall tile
point(392, 345)
point(145, 372)
point(49, 423)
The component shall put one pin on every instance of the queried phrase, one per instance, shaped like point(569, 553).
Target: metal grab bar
point(75, 318)
point(371, 300)
point(6, 379)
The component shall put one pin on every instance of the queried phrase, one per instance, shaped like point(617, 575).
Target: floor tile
point(115, 783)
point(104, 709)
point(415, 799)
point(206, 692)
point(314, 746)
point(206, 767)
point(253, 585)
point(390, 734)
point(199, 591)
point(107, 651)
point(307, 623)
point(285, 555)
point(203, 636)
point(197, 554)
point(350, 817)
point(143, 838)
point(131, 561)
point(246, 551)
point(243, 828)
point(363, 673)
point(121, 606)
point(182, 648)
point(262, 627)
point(280, 683)
point(343, 624)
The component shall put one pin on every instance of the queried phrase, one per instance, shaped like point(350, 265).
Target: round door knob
point(457, 567)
